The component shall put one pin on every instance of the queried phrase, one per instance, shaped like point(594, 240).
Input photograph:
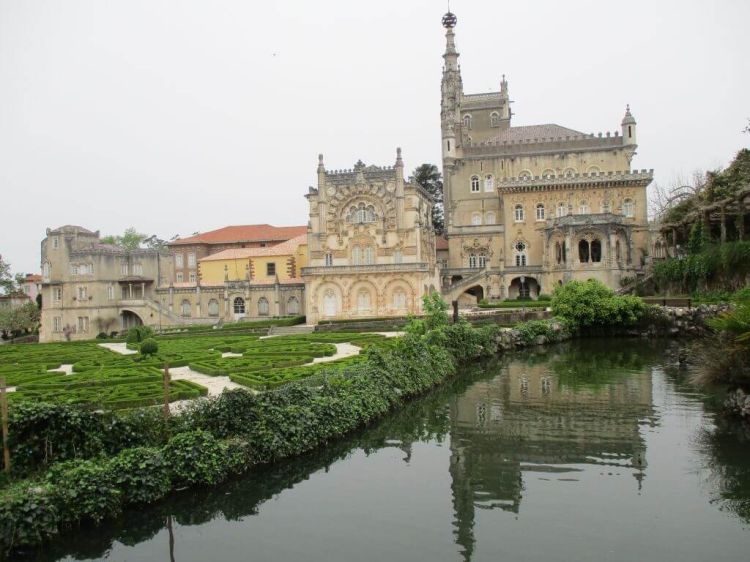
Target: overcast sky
point(184, 115)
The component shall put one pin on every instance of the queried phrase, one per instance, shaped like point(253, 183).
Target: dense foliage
point(428, 177)
point(590, 305)
point(724, 266)
point(216, 437)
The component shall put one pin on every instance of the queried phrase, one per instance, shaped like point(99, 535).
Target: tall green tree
point(428, 176)
point(130, 239)
point(7, 281)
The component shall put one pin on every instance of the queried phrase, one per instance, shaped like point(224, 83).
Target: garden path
point(121, 348)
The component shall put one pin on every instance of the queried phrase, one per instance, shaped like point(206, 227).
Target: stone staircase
point(290, 330)
point(454, 291)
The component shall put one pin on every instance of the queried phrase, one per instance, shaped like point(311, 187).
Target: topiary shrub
point(149, 347)
point(195, 457)
point(137, 334)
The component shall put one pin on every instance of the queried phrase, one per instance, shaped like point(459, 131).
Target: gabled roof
point(531, 132)
point(284, 249)
point(243, 233)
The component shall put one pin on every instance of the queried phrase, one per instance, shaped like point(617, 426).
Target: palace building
point(530, 207)
point(371, 244)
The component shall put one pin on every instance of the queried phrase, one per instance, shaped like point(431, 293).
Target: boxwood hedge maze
point(104, 379)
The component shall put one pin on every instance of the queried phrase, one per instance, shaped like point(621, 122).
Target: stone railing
point(375, 268)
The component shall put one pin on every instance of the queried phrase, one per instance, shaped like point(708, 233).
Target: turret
point(628, 128)
point(452, 89)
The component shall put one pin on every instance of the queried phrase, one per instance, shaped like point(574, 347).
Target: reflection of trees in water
point(727, 452)
point(421, 420)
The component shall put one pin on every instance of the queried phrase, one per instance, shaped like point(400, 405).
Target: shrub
point(28, 515)
point(137, 334)
point(84, 490)
point(591, 304)
point(102, 336)
point(140, 474)
point(149, 347)
point(544, 297)
point(529, 331)
point(195, 457)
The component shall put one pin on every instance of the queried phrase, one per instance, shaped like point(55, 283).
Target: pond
point(590, 451)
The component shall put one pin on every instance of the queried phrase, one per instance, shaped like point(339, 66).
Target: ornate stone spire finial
point(628, 119)
point(399, 161)
point(321, 168)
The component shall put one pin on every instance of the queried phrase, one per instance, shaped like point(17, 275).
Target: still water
point(591, 451)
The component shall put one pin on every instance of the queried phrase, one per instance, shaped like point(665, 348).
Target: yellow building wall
point(212, 272)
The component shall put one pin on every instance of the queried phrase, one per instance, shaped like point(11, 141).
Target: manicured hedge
point(212, 440)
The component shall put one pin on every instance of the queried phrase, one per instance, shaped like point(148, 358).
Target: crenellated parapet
point(571, 143)
point(625, 178)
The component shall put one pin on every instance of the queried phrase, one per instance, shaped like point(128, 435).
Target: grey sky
point(181, 116)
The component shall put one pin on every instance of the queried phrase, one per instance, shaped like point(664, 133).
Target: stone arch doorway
point(129, 319)
point(471, 296)
point(524, 288)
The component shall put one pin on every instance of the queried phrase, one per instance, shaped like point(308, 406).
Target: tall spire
point(451, 55)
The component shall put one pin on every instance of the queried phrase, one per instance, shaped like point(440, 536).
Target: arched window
point(583, 208)
point(520, 254)
point(292, 305)
point(213, 307)
point(363, 301)
point(558, 252)
point(593, 170)
point(330, 304)
point(467, 122)
point(483, 260)
point(262, 306)
point(540, 211)
point(605, 207)
point(525, 175)
point(596, 251)
point(490, 218)
point(399, 299)
point(185, 308)
point(618, 254)
point(489, 183)
point(583, 251)
point(628, 208)
point(518, 213)
point(476, 219)
point(239, 305)
point(569, 172)
point(494, 119)
point(475, 184)
point(369, 255)
point(548, 173)
point(370, 213)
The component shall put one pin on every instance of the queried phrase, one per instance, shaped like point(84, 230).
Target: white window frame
point(57, 294)
point(110, 293)
point(329, 259)
point(191, 260)
point(179, 277)
point(583, 208)
point(474, 186)
point(489, 183)
point(490, 218)
point(476, 219)
point(192, 277)
point(179, 260)
point(628, 208)
point(82, 293)
point(57, 324)
point(562, 210)
point(124, 268)
point(518, 213)
point(540, 212)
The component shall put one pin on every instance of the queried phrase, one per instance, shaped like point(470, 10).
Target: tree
point(16, 321)
point(130, 239)
point(428, 176)
point(6, 279)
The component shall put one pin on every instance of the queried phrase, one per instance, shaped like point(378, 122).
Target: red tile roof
point(244, 233)
point(283, 249)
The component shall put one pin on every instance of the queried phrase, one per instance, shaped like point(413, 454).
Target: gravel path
point(121, 348)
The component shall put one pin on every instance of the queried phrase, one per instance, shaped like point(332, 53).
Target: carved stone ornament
point(331, 191)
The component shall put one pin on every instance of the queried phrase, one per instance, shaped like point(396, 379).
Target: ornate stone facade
point(531, 207)
point(371, 244)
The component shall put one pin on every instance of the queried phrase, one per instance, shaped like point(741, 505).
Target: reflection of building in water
point(526, 421)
